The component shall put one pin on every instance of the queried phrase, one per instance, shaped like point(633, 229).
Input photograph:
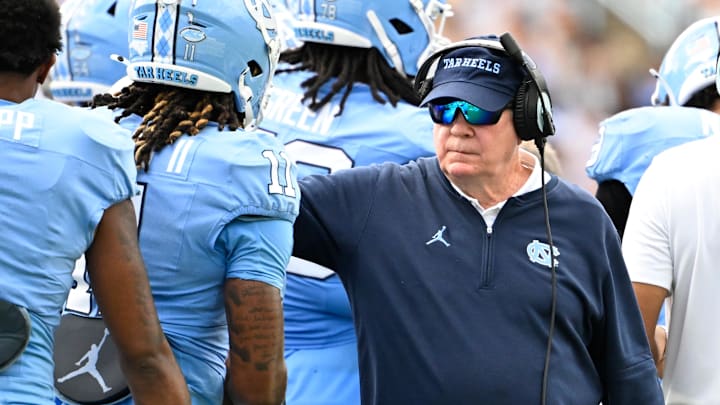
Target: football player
point(69, 176)
point(219, 200)
point(92, 31)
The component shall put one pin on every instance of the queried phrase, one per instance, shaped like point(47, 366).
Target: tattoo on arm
point(255, 323)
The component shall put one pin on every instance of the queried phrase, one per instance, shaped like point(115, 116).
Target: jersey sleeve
point(257, 249)
point(252, 180)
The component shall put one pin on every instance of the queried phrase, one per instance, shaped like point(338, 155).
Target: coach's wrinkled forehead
point(485, 77)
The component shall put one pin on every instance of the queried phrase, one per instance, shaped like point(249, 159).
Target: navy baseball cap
point(485, 77)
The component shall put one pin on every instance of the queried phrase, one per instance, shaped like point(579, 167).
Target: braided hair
point(168, 112)
point(343, 66)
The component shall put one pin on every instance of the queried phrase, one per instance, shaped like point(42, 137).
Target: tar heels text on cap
point(479, 63)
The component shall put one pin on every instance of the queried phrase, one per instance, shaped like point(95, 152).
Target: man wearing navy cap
point(455, 285)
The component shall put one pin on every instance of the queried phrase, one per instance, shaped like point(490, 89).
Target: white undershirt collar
point(533, 183)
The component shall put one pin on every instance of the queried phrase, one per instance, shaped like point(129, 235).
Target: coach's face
point(471, 153)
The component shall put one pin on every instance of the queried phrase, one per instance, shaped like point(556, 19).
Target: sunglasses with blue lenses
point(474, 115)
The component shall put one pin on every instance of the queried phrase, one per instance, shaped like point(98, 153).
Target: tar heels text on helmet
point(164, 74)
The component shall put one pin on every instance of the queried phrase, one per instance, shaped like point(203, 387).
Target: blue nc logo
point(539, 253)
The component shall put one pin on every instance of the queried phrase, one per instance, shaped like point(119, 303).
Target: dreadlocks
point(168, 112)
point(343, 66)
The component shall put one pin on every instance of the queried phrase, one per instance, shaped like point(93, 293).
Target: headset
point(533, 120)
point(532, 110)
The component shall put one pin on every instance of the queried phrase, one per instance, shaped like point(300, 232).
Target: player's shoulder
point(401, 120)
point(239, 147)
point(647, 125)
point(100, 126)
point(86, 134)
point(657, 119)
point(632, 137)
point(252, 166)
point(81, 124)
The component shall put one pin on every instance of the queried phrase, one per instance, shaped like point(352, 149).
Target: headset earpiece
point(527, 112)
point(520, 106)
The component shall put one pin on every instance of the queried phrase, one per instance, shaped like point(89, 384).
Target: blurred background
point(594, 54)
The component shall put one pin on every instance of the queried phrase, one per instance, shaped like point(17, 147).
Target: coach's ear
point(44, 69)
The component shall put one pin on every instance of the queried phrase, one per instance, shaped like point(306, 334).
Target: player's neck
point(16, 87)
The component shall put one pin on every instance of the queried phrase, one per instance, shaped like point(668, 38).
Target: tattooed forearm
point(255, 323)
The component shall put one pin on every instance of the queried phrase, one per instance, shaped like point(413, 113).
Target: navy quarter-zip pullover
point(451, 312)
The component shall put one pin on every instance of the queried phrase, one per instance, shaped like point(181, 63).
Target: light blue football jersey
point(214, 206)
point(320, 344)
point(629, 140)
point(63, 166)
